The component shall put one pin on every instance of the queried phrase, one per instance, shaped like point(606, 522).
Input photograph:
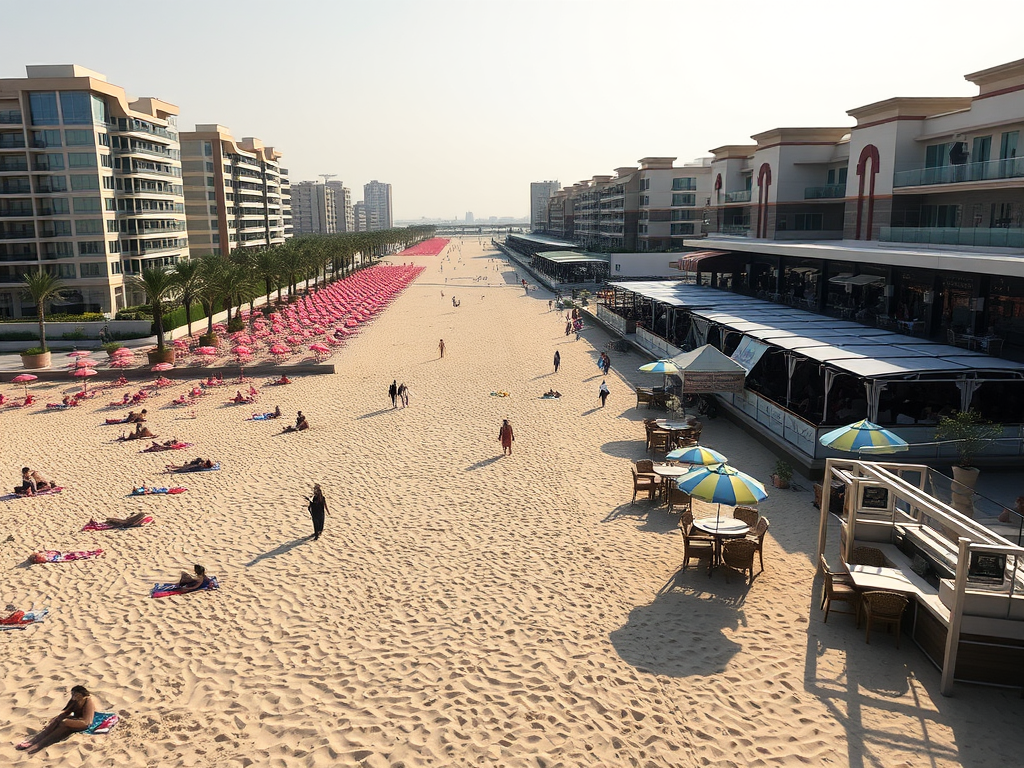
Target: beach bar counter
point(964, 583)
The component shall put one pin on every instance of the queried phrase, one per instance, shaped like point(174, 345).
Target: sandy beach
point(462, 608)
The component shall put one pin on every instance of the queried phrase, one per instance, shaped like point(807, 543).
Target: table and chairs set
point(873, 589)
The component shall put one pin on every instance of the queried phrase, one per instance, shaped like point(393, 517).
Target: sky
point(460, 104)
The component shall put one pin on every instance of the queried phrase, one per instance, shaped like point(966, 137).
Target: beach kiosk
point(964, 583)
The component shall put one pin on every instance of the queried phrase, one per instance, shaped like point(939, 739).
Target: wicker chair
point(677, 497)
point(867, 556)
point(756, 535)
point(884, 608)
point(644, 397)
point(738, 555)
point(695, 545)
point(641, 483)
point(839, 588)
point(659, 440)
point(748, 515)
point(648, 428)
point(645, 468)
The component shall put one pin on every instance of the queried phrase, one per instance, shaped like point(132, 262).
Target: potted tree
point(971, 434)
point(40, 287)
point(782, 474)
point(160, 288)
point(110, 347)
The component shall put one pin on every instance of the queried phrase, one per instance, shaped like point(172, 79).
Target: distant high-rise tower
point(313, 209)
point(377, 198)
point(343, 205)
point(540, 192)
point(359, 216)
point(469, 217)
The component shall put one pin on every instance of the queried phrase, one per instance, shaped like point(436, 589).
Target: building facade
point(377, 198)
point(234, 191)
point(90, 187)
point(359, 216)
point(343, 207)
point(314, 209)
point(540, 193)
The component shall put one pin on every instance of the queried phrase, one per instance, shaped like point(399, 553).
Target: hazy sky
point(461, 104)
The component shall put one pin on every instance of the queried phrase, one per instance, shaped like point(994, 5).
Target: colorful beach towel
point(54, 556)
point(185, 469)
point(162, 448)
point(92, 525)
point(262, 417)
point(22, 619)
point(156, 491)
point(46, 492)
point(166, 590)
point(102, 722)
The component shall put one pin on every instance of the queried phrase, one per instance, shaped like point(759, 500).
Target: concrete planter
point(36, 361)
point(209, 340)
point(158, 356)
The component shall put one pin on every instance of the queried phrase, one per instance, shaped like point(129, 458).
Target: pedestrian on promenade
point(393, 393)
point(505, 437)
point(568, 327)
point(440, 346)
point(317, 510)
point(558, 360)
point(603, 393)
point(550, 305)
point(405, 396)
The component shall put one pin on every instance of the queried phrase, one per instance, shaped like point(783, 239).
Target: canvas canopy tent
point(706, 369)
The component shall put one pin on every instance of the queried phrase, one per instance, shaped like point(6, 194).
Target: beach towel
point(102, 722)
point(156, 491)
point(92, 525)
point(183, 470)
point(22, 619)
point(161, 448)
point(45, 492)
point(499, 394)
point(53, 556)
point(262, 417)
point(166, 590)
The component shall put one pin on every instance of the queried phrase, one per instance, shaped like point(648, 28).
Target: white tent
point(706, 369)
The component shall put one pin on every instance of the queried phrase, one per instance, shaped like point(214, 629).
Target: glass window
point(115, 267)
point(109, 203)
point(76, 137)
point(44, 108)
point(88, 226)
point(81, 160)
point(76, 108)
point(114, 246)
point(81, 182)
point(1008, 145)
point(87, 205)
point(46, 184)
point(46, 138)
point(207, 149)
point(209, 181)
point(112, 226)
point(684, 199)
point(53, 205)
point(982, 149)
point(94, 268)
point(49, 162)
point(108, 182)
point(91, 248)
point(105, 161)
point(842, 174)
point(99, 109)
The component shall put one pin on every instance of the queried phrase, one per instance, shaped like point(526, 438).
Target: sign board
point(749, 352)
point(713, 381)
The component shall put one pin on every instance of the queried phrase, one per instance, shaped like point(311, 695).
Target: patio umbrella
point(123, 352)
point(664, 367)
point(322, 348)
point(83, 373)
point(864, 437)
point(241, 350)
point(162, 367)
point(696, 454)
point(81, 363)
point(280, 349)
point(79, 353)
point(121, 362)
point(24, 378)
point(721, 484)
point(207, 350)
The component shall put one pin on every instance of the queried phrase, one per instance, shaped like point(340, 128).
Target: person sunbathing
point(166, 445)
point(181, 399)
point(135, 418)
point(125, 522)
point(33, 481)
point(552, 393)
point(196, 463)
point(240, 398)
point(140, 433)
point(300, 424)
point(191, 582)
point(29, 399)
point(197, 392)
point(253, 392)
point(76, 717)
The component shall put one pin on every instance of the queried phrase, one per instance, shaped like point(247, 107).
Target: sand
point(462, 608)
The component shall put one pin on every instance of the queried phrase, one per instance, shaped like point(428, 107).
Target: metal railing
point(827, 191)
point(982, 237)
point(1011, 168)
point(743, 196)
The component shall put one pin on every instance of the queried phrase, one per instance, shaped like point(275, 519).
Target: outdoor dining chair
point(640, 483)
point(869, 556)
point(695, 545)
point(677, 497)
point(659, 440)
point(756, 535)
point(645, 468)
point(738, 555)
point(884, 608)
point(748, 515)
point(838, 587)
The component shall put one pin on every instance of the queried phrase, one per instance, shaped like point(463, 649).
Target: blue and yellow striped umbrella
point(696, 454)
point(864, 437)
point(722, 484)
point(660, 366)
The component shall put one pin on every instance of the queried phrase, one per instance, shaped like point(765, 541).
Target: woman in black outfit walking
point(317, 510)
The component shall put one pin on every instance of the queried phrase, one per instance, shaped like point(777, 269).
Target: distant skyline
point(461, 104)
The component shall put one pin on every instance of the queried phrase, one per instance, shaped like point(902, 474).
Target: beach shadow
point(483, 463)
point(635, 511)
point(624, 449)
point(592, 410)
point(370, 415)
point(681, 633)
point(281, 549)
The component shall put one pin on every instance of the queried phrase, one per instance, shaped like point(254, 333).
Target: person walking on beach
point(603, 393)
point(317, 510)
point(505, 437)
point(558, 360)
point(393, 393)
point(607, 364)
point(401, 394)
point(568, 327)
point(440, 346)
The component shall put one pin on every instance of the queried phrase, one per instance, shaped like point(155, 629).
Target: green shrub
point(86, 317)
point(18, 336)
point(141, 312)
point(33, 351)
point(76, 335)
point(125, 335)
point(111, 346)
point(236, 324)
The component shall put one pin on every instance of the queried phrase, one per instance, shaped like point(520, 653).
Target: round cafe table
point(721, 528)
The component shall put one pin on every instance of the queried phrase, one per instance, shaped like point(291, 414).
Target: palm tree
point(42, 287)
point(213, 269)
point(187, 277)
point(266, 267)
point(160, 287)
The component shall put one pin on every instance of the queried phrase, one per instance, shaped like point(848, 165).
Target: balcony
point(137, 150)
point(743, 196)
point(827, 192)
point(18, 234)
point(736, 230)
point(980, 237)
point(10, 117)
point(154, 130)
point(15, 188)
point(16, 213)
point(12, 141)
point(992, 170)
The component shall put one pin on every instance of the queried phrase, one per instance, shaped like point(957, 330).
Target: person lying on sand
point(197, 463)
point(135, 418)
point(125, 522)
point(191, 582)
point(552, 393)
point(140, 433)
point(240, 398)
point(76, 716)
point(300, 424)
point(166, 445)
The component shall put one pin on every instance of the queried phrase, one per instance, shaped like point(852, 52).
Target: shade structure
point(207, 350)
point(162, 367)
point(24, 378)
point(696, 454)
point(121, 362)
point(660, 366)
point(722, 484)
point(280, 349)
point(79, 353)
point(864, 437)
point(84, 373)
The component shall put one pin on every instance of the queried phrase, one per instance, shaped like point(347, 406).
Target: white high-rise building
point(540, 192)
point(313, 209)
point(343, 205)
point(377, 197)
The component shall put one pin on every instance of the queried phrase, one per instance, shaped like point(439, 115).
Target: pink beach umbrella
point(162, 367)
point(320, 348)
point(241, 350)
point(121, 362)
point(24, 378)
point(83, 373)
point(79, 353)
point(81, 363)
point(207, 350)
point(123, 352)
point(280, 349)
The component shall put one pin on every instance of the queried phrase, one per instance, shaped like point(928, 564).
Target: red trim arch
point(718, 182)
point(764, 181)
point(867, 155)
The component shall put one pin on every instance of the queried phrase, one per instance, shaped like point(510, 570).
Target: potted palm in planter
point(782, 474)
point(111, 347)
point(40, 287)
point(160, 288)
point(971, 434)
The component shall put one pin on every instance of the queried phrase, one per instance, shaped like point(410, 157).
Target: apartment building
point(911, 219)
point(235, 191)
point(359, 216)
point(314, 209)
point(377, 198)
point(540, 193)
point(671, 202)
point(343, 207)
point(90, 187)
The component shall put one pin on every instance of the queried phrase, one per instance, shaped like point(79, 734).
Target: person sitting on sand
point(552, 393)
point(29, 399)
point(300, 424)
point(253, 392)
point(33, 481)
point(191, 582)
point(68, 401)
point(76, 716)
point(135, 418)
point(4, 399)
point(125, 522)
point(140, 433)
point(274, 414)
point(283, 380)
